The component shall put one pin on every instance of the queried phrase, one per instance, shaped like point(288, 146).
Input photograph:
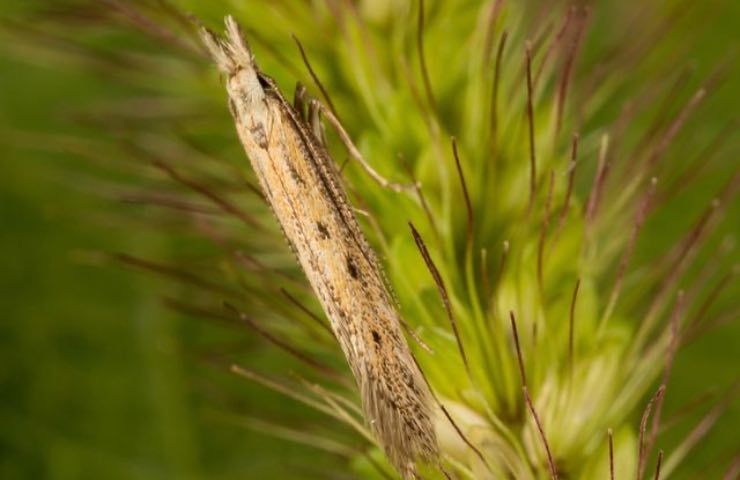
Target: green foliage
point(99, 380)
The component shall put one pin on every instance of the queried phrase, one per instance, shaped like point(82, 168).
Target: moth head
point(234, 58)
point(231, 53)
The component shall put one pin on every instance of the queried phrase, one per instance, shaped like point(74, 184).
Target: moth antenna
point(315, 77)
point(354, 152)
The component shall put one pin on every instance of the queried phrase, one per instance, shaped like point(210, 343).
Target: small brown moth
point(303, 187)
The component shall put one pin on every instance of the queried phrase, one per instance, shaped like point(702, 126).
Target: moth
point(302, 185)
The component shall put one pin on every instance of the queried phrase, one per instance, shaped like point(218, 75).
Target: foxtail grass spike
point(540, 301)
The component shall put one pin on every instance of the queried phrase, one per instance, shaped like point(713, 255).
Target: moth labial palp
point(306, 194)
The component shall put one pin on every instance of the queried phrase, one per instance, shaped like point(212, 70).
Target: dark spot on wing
point(295, 175)
point(352, 268)
point(259, 135)
point(323, 231)
point(376, 337)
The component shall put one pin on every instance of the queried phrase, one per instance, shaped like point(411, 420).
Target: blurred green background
point(94, 379)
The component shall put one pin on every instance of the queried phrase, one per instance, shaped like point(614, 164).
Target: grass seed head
point(536, 309)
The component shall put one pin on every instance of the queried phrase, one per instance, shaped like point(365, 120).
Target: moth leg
point(354, 153)
point(315, 123)
point(309, 113)
point(300, 97)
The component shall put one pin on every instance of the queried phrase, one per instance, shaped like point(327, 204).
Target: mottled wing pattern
point(305, 192)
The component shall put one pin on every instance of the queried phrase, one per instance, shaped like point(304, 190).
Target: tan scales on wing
point(305, 192)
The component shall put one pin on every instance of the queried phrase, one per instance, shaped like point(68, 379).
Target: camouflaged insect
point(302, 185)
